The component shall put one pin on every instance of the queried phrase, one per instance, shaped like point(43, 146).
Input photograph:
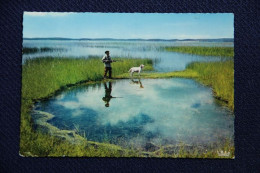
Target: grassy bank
point(217, 75)
point(41, 78)
point(204, 51)
point(154, 75)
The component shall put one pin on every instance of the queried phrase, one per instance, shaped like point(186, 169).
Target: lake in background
point(165, 61)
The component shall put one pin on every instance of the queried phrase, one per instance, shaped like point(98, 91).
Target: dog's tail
point(129, 70)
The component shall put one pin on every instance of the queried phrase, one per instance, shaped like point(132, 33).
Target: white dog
point(136, 69)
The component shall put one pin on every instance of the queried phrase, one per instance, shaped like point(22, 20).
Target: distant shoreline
point(113, 39)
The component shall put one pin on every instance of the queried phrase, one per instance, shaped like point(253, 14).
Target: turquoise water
point(165, 61)
point(136, 113)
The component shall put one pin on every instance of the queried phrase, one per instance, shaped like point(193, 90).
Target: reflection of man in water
point(108, 91)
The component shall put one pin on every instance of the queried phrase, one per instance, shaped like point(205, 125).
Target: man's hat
point(106, 51)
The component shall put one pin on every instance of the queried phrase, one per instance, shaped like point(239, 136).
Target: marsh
point(162, 112)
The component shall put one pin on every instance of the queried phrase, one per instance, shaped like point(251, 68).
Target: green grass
point(154, 75)
point(224, 149)
point(42, 77)
point(204, 51)
point(217, 75)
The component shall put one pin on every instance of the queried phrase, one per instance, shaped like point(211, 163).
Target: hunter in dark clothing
point(107, 62)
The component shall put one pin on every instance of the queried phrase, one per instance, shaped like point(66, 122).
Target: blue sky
point(129, 25)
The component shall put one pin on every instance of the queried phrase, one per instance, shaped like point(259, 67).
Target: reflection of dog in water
point(138, 82)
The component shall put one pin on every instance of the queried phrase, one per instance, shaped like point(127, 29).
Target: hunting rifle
point(106, 61)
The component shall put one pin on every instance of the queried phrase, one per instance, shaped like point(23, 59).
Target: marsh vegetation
point(217, 75)
point(204, 51)
point(31, 50)
point(42, 77)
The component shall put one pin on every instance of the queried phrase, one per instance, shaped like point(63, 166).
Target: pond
point(164, 61)
point(141, 113)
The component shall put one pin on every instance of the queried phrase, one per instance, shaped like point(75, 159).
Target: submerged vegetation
point(28, 50)
point(204, 51)
point(42, 77)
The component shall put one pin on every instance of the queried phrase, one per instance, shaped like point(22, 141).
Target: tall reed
point(204, 51)
point(219, 76)
point(41, 77)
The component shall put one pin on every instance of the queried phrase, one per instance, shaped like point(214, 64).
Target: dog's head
point(142, 66)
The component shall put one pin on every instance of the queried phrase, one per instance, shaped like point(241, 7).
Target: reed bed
point(28, 50)
point(204, 51)
point(219, 76)
point(42, 77)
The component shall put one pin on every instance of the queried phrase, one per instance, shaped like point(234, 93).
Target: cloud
point(69, 104)
point(77, 113)
point(180, 109)
point(48, 14)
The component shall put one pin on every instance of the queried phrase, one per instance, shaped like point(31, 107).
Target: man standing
point(107, 62)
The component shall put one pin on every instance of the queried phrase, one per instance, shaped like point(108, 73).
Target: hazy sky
point(128, 25)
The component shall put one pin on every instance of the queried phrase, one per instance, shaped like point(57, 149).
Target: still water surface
point(165, 61)
point(135, 113)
